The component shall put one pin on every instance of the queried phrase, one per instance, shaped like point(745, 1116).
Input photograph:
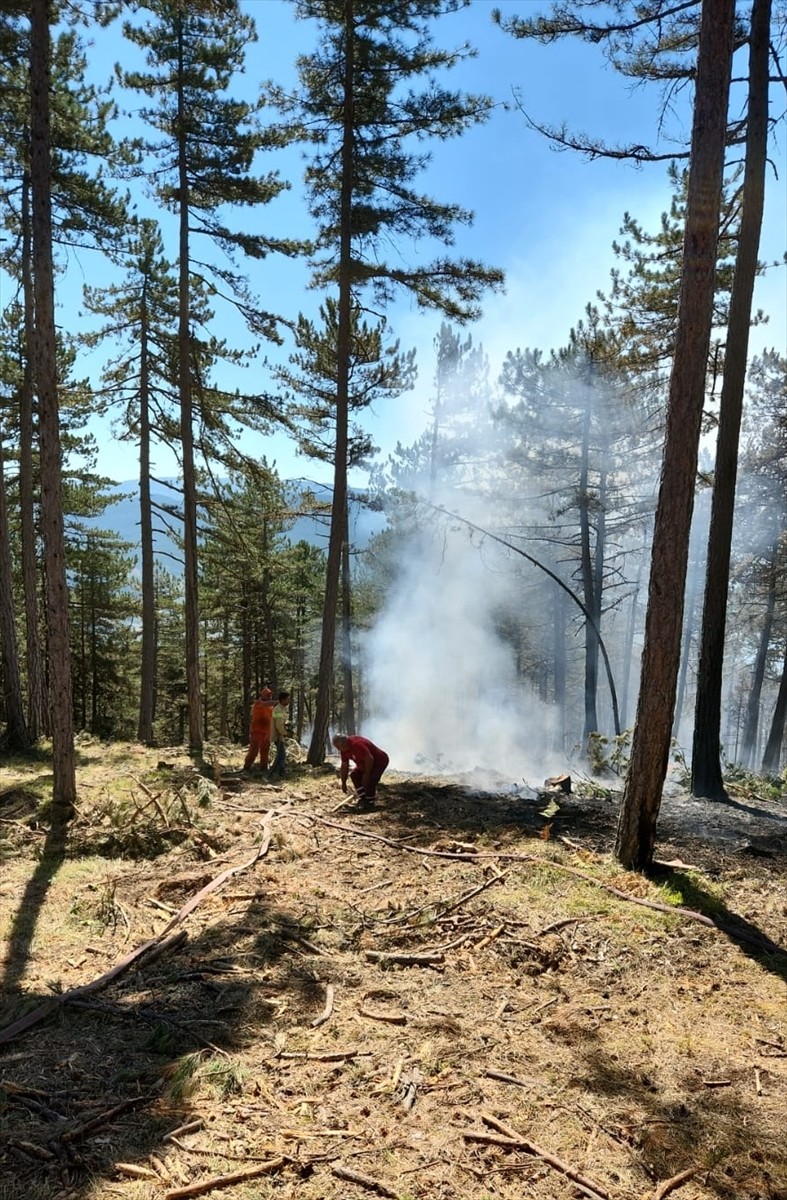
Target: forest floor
point(220, 985)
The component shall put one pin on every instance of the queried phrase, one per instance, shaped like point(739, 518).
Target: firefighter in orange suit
point(260, 730)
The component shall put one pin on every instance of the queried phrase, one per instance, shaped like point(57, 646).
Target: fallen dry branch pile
point(419, 1001)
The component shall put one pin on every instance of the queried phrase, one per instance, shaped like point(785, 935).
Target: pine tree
point(761, 534)
point(363, 108)
point(378, 373)
point(573, 459)
point(706, 773)
point(102, 608)
point(141, 318)
point(16, 734)
point(45, 358)
point(661, 654)
point(208, 143)
point(85, 211)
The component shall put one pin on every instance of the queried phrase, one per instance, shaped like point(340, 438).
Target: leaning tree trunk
point(706, 774)
point(60, 688)
point(650, 745)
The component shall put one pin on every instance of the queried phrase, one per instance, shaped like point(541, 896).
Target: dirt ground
point(225, 986)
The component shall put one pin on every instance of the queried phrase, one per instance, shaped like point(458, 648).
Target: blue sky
point(547, 218)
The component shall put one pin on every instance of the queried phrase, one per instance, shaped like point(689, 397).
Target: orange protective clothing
point(260, 730)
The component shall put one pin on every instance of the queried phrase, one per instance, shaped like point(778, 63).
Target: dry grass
point(552, 1040)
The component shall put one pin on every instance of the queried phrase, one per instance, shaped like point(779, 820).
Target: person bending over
point(370, 762)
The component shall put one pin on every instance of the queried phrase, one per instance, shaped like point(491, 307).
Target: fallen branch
point(553, 928)
point(391, 1018)
point(731, 929)
point(136, 1172)
point(326, 1012)
point(182, 1130)
point(373, 1185)
point(511, 1140)
point(490, 937)
point(34, 1149)
point(145, 1013)
point(223, 1181)
point(671, 1185)
point(492, 1074)
point(153, 798)
point(154, 946)
point(106, 1117)
point(405, 960)
point(325, 1056)
point(470, 895)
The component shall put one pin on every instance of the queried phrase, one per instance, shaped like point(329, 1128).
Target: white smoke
point(443, 696)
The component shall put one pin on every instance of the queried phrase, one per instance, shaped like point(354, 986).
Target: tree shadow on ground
point(702, 1127)
point(500, 819)
point(749, 938)
point(117, 1073)
point(23, 924)
point(107, 1076)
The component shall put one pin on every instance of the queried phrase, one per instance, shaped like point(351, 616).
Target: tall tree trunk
point(247, 634)
point(190, 561)
point(628, 649)
point(650, 747)
point(347, 653)
point(322, 707)
point(224, 716)
point(685, 650)
point(270, 667)
point(588, 585)
point(706, 774)
point(37, 700)
point(773, 747)
point(750, 729)
point(60, 692)
point(147, 682)
point(16, 735)
point(559, 655)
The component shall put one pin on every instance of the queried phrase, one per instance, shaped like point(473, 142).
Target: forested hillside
point(567, 512)
point(393, 565)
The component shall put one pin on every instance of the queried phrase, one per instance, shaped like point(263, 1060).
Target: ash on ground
point(750, 824)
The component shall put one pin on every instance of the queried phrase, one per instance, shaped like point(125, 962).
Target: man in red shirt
point(370, 762)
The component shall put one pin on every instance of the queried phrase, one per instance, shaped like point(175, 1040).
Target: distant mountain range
point(122, 517)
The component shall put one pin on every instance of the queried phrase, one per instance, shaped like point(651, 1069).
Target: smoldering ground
point(443, 692)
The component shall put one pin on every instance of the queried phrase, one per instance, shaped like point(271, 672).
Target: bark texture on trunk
point(45, 372)
point(706, 772)
point(751, 726)
point(650, 747)
point(16, 735)
point(322, 707)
